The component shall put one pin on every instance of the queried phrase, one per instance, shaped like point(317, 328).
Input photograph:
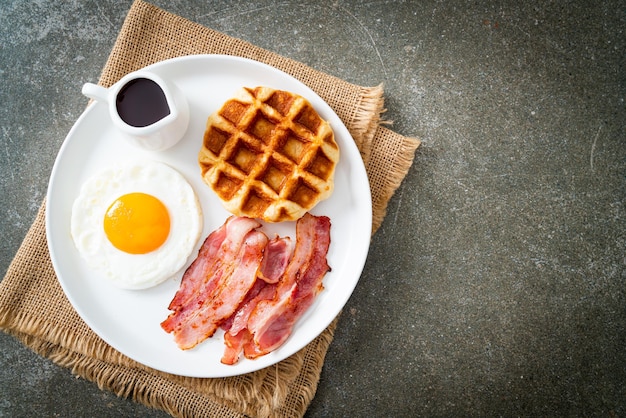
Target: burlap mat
point(33, 306)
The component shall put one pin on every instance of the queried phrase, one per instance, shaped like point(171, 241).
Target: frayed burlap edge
point(123, 381)
point(158, 390)
point(396, 153)
point(364, 125)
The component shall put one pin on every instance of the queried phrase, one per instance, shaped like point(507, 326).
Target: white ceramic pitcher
point(144, 122)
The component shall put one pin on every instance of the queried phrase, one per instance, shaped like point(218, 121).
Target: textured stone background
point(496, 283)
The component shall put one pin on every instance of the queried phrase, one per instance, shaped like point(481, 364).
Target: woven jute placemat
point(34, 308)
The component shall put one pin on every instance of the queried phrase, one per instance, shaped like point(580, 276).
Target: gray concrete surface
point(496, 285)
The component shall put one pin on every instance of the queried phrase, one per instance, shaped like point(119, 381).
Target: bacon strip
point(234, 345)
point(237, 335)
point(226, 298)
point(252, 293)
point(254, 288)
point(218, 250)
point(275, 260)
point(272, 321)
point(200, 269)
point(212, 293)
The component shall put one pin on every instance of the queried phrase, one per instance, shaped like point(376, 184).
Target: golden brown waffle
point(268, 155)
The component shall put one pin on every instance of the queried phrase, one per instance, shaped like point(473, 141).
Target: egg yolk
point(137, 223)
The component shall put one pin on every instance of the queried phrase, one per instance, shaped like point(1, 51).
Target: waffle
point(267, 154)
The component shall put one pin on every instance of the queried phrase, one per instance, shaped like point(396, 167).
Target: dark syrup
point(141, 103)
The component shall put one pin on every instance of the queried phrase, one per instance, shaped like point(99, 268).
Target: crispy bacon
point(234, 345)
point(237, 335)
point(271, 321)
point(277, 255)
point(252, 293)
point(217, 251)
point(254, 288)
point(200, 269)
point(224, 282)
point(275, 260)
point(226, 298)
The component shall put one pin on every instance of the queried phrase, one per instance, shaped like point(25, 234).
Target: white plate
point(130, 320)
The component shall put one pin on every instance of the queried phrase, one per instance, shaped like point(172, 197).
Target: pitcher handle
point(95, 92)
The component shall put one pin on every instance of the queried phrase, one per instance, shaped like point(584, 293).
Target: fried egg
point(136, 224)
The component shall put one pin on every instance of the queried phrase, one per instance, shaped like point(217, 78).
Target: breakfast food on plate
point(275, 258)
point(214, 285)
point(268, 154)
point(273, 314)
point(252, 287)
point(136, 223)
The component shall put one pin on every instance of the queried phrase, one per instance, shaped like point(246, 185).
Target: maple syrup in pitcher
point(141, 102)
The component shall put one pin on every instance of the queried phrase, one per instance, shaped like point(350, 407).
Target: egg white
point(136, 271)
